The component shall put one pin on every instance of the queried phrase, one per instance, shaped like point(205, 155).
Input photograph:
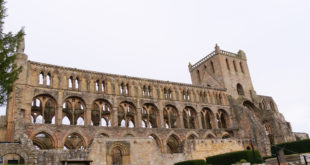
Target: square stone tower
point(222, 69)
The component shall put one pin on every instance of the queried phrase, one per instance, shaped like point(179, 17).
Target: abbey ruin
point(60, 115)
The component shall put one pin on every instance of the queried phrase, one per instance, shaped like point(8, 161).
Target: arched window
point(171, 116)
point(77, 82)
point(43, 141)
point(227, 64)
point(74, 109)
point(70, 82)
point(198, 76)
point(101, 113)
point(43, 109)
point(222, 119)
point(241, 67)
point(235, 67)
point(207, 118)
point(97, 86)
point(150, 116)
point(173, 145)
point(102, 87)
point(127, 114)
point(189, 117)
point(240, 90)
point(75, 141)
point(212, 65)
point(48, 79)
point(41, 78)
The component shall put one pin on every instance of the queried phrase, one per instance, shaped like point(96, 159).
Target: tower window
point(241, 67)
point(198, 75)
point(235, 66)
point(240, 89)
point(227, 64)
point(213, 70)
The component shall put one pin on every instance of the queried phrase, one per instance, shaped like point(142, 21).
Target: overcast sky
point(157, 38)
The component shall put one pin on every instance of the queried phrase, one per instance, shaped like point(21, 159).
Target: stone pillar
point(139, 115)
point(181, 123)
point(198, 121)
point(87, 120)
point(161, 116)
point(114, 122)
point(58, 115)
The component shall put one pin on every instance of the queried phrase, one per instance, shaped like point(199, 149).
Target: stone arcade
point(60, 115)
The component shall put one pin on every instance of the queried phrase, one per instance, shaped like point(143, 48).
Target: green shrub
point(192, 162)
point(302, 146)
point(243, 161)
point(232, 157)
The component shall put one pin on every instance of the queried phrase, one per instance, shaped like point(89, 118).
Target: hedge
point(192, 162)
point(302, 146)
point(233, 157)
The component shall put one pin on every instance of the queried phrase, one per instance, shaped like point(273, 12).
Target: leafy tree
point(9, 44)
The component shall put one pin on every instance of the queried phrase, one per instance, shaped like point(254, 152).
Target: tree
point(9, 44)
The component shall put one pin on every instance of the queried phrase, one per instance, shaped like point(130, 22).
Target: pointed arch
point(171, 116)
point(222, 118)
point(43, 108)
point(74, 108)
point(44, 140)
point(207, 118)
point(75, 141)
point(127, 112)
point(240, 90)
point(150, 115)
point(189, 117)
point(101, 114)
point(173, 144)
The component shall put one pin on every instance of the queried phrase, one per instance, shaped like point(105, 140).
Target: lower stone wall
point(135, 151)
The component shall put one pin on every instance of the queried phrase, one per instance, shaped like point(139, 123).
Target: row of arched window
point(235, 66)
point(44, 110)
point(75, 141)
point(74, 83)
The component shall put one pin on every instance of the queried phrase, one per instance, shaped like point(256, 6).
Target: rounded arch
point(80, 134)
point(150, 115)
point(222, 118)
point(12, 158)
point(43, 140)
point(75, 141)
point(210, 135)
point(240, 90)
point(207, 118)
point(101, 113)
point(189, 117)
point(74, 108)
point(43, 109)
point(226, 135)
point(48, 133)
point(157, 140)
point(171, 116)
point(127, 115)
point(102, 134)
point(191, 135)
point(173, 144)
point(121, 146)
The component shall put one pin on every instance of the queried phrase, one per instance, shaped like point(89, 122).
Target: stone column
point(161, 116)
point(138, 113)
point(114, 122)
point(87, 120)
point(58, 115)
point(198, 121)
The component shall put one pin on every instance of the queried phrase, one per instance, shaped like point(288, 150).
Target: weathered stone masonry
point(71, 115)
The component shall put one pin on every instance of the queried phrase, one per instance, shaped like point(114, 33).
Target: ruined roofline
point(124, 76)
point(216, 52)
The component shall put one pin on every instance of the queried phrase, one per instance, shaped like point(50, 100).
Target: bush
point(192, 162)
point(302, 146)
point(232, 157)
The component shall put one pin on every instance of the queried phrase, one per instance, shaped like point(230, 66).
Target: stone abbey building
point(60, 115)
